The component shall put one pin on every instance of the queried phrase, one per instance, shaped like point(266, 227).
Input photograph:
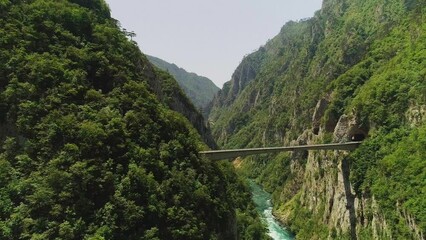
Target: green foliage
point(276, 174)
point(89, 147)
point(249, 224)
point(200, 90)
point(368, 59)
point(391, 167)
point(395, 176)
point(305, 223)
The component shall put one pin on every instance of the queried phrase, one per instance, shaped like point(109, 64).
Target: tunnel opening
point(357, 134)
point(357, 137)
point(315, 130)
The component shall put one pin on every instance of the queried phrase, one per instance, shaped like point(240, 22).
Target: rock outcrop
point(245, 73)
point(345, 56)
point(319, 114)
point(416, 114)
point(348, 128)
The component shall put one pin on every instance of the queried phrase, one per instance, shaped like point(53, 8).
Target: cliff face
point(327, 192)
point(353, 71)
point(243, 75)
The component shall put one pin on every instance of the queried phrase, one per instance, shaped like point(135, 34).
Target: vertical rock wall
point(326, 190)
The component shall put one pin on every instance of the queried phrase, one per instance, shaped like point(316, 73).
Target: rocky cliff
point(354, 71)
point(242, 76)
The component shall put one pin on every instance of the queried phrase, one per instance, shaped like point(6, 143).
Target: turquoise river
point(262, 200)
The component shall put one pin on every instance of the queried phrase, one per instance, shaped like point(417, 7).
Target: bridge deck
point(234, 153)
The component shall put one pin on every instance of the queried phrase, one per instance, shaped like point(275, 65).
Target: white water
point(262, 200)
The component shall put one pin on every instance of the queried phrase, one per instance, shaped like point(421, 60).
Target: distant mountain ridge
point(199, 89)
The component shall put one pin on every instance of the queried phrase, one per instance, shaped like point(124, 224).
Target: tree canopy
point(90, 148)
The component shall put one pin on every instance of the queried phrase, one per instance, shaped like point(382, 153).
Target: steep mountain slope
point(91, 142)
point(200, 90)
point(168, 91)
point(356, 69)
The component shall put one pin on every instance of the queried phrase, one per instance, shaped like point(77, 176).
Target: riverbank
point(262, 199)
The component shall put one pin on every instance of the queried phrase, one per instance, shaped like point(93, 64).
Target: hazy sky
point(209, 38)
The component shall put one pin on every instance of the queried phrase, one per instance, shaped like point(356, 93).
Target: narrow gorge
point(355, 71)
point(98, 143)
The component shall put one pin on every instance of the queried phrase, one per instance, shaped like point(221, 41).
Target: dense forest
point(200, 90)
point(95, 143)
point(355, 68)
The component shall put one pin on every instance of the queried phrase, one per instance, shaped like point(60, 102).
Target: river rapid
point(262, 200)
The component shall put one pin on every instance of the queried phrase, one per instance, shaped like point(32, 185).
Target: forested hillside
point(200, 90)
point(357, 68)
point(97, 144)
